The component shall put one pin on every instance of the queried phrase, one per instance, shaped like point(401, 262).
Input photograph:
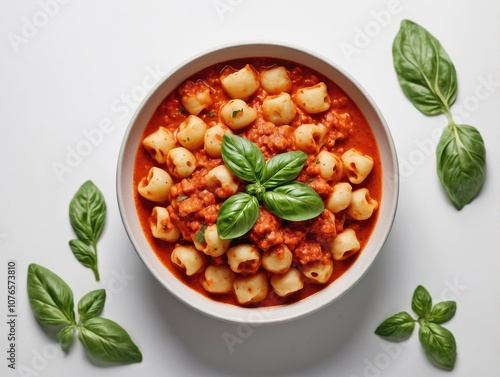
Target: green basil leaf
point(237, 215)
point(107, 341)
point(398, 327)
point(87, 212)
point(83, 253)
point(294, 201)
point(424, 69)
point(282, 168)
point(200, 235)
point(92, 304)
point(439, 344)
point(461, 163)
point(50, 297)
point(65, 337)
point(442, 312)
point(421, 302)
point(242, 157)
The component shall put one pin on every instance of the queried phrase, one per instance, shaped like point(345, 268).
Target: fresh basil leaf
point(237, 215)
point(461, 163)
point(398, 327)
point(282, 168)
point(87, 212)
point(442, 312)
point(200, 235)
point(66, 336)
point(424, 69)
point(242, 157)
point(439, 344)
point(294, 201)
point(107, 341)
point(83, 253)
point(421, 302)
point(92, 304)
point(50, 297)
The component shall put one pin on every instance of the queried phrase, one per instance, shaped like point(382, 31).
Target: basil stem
point(428, 78)
point(87, 214)
point(438, 342)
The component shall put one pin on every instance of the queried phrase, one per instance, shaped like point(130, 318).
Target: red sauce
point(346, 128)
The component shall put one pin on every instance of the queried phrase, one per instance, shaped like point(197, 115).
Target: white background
point(69, 67)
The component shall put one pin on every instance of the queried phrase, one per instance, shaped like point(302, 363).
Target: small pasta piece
point(330, 166)
point(279, 109)
point(357, 166)
point(188, 258)
point(195, 96)
point(159, 143)
point(345, 244)
point(278, 259)
point(181, 162)
point(314, 99)
point(362, 205)
point(287, 283)
point(156, 185)
point(243, 259)
point(340, 197)
point(275, 80)
point(251, 289)
point(212, 142)
point(161, 226)
point(213, 245)
point(309, 137)
point(236, 114)
point(191, 133)
point(222, 181)
point(240, 84)
point(218, 279)
point(318, 271)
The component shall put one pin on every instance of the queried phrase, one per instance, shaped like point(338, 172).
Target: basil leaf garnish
point(242, 157)
point(442, 312)
point(282, 168)
point(107, 341)
point(50, 297)
point(294, 201)
point(461, 163)
point(421, 302)
point(91, 304)
point(425, 71)
point(439, 344)
point(52, 303)
point(397, 327)
point(428, 79)
point(237, 215)
point(87, 214)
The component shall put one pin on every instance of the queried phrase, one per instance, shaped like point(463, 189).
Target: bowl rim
point(189, 296)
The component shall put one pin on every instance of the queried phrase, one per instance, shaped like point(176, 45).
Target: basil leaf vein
point(397, 327)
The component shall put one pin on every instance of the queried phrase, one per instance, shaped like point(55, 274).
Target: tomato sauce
point(346, 128)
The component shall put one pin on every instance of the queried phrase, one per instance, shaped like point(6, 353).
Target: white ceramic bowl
point(387, 210)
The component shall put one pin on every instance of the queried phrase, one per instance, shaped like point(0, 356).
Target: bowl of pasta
point(257, 176)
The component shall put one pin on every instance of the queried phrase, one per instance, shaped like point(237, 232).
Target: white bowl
point(387, 210)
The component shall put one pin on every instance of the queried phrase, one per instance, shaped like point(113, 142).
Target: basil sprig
point(87, 214)
point(429, 80)
point(438, 342)
point(51, 300)
point(269, 182)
